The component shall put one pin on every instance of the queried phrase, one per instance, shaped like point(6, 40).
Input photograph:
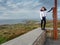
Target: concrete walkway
point(26, 39)
point(52, 42)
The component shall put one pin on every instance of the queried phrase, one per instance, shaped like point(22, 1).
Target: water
point(14, 21)
point(11, 21)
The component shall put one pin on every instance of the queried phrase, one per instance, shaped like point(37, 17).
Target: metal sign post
point(55, 35)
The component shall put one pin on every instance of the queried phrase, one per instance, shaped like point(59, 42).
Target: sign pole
point(55, 35)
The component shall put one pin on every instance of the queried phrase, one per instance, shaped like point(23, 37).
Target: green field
point(8, 32)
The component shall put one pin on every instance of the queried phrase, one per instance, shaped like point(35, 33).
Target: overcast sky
point(25, 9)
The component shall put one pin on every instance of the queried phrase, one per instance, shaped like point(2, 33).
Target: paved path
point(52, 42)
point(26, 39)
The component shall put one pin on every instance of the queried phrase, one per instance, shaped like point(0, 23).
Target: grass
point(49, 24)
point(8, 32)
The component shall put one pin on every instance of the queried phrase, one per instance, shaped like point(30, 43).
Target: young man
point(43, 17)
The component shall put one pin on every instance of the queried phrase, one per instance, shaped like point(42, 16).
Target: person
point(43, 13)
point(43, 17)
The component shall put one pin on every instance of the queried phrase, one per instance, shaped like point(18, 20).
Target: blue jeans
point(43, 22)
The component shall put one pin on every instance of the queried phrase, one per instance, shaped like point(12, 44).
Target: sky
point(25, 9)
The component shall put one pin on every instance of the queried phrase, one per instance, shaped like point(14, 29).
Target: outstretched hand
point(51, 9)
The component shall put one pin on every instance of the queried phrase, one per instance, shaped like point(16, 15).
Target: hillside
point(8, 32)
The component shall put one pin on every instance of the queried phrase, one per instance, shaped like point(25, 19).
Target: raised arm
point(51, 9)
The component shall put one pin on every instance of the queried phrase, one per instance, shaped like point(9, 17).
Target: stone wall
point(41, 39)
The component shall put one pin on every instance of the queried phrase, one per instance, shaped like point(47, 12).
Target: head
point(43, 9)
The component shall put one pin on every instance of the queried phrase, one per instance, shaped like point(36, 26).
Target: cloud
point(2, 8)
point(11, 5)
point(0, 0)
point(58, 9)
point(22, 8)
point(22, 4)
